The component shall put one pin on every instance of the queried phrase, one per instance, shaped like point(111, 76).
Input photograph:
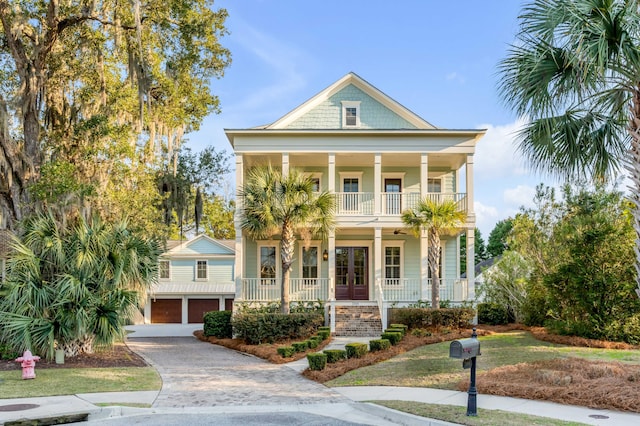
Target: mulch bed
point(118, 356)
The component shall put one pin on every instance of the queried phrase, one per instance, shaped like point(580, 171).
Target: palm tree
point(438, 218)
point(575, 73)
point(284, 204)
point(72, 287)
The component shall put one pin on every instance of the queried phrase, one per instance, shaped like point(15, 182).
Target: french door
point(352, 278)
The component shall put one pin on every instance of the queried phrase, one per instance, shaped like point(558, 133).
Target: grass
point(70, 381)
point(458, 415)
point(430, 365)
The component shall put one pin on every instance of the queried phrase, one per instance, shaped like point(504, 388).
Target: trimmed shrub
point(402, 326)
point(379, 344)
point(335, 355)
point(356, 350)
point(272, 327)
point(420, 332)
point(300, 346)
point(393, 337)
point(325, 327)
point(218, 324)
point(492, 314)
point(312, 343)
point(317, 361)
point(324, 334)
point(286, 351)
point(317, 338)
point(395, 330)
point(428, 317)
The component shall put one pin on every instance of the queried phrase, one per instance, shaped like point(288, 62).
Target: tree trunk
point(634, 167)
point(434, 265)
point(287, 247)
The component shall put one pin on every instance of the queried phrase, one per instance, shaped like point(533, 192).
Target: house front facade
point(194, 277)
point(377, 158)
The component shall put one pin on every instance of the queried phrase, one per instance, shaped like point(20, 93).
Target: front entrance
point(352, 278)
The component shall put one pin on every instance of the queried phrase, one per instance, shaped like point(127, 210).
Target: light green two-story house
point(378, 158)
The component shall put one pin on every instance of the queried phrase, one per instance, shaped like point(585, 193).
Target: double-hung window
point(164, 270)
point(267, 264)
point(392, 265)
point(201, 269)
point(310, 262)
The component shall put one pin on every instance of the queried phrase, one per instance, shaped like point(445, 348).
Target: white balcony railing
point(391, 203)
point(300, 289)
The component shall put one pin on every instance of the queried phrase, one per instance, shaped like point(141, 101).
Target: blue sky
point(437, 58)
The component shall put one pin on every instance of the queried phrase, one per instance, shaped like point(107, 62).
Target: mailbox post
point(468, 350)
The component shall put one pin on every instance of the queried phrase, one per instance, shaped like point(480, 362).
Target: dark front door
point(352, 280)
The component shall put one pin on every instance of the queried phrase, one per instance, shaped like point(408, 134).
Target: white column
point(469, 177)
point(471, 270)
point(238, 266)
point(424, 175)
point(332, 280)
point(147, 311)
point(285, 163)
point(424, 265)
point(377, 184)
point(331, 179)
point(185, 310)
point(377, 257)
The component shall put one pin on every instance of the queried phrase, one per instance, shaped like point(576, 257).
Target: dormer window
point(350, 114)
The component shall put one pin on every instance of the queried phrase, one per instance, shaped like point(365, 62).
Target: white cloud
point(454, 76)
point(496, 154)
point(279, 59)
point(520, 196)
point(486, 217)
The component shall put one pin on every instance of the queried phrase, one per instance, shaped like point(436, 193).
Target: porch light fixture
point(325, 255)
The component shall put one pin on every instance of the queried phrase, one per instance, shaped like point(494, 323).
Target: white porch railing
point(391, 203)
point(300, 289)
point(410, 290)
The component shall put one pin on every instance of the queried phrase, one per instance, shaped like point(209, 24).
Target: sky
point(437, 58)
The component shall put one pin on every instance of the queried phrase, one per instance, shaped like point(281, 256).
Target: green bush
point(6, 352)
point(312, 343)
point(273, 327)
point(300, 346)
point(335, 355)
point(393, 337)
point(379, 344)
point(428, 317)
point(317, 338)
point(317, 361)
point(420, 332)
point(404, 327)
point(324, 334)
point(356, 350)
point(324, 327)
point(286, 351)
point(492, 314)
point(218, 324)
point(395, 330)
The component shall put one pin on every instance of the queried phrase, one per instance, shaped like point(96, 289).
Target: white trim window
point(202, 272)
point(310, 265)
point(434, 185)
point(164, 270)
point(350, 114)
point(350, 184)
point(393, 263)
point(268, 263)
point(316, 178)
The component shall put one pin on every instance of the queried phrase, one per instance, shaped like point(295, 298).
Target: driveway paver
point(199, 374)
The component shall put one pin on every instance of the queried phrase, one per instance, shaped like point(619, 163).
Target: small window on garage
point(201, 270)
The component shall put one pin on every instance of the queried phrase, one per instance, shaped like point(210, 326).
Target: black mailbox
point(464, 348)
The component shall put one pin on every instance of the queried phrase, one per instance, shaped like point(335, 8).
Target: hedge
point(273, 327)
point(324, 334)
point(317, 361)
point(492, 314)
point(335, 355)
point(379, 345)
point(300, 346)
point(218, 324)
point(286, 351)
point(356, 350)
point(393, 337)
point(395, 330)
point(428, 317)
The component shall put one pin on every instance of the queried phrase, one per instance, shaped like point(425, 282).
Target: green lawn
point(70, 381)
point(458, 415)
point(430, 366)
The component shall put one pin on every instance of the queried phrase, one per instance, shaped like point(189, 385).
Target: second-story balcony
point(390, 203)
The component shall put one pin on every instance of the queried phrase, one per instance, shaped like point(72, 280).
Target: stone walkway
point(198, 374)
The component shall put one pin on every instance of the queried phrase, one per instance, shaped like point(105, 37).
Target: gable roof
point(357, 81)
point(200, 245)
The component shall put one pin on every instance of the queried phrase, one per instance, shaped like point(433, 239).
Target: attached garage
point(199, 307)
point(166, 311)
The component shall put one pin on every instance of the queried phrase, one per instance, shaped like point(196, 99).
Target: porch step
point(358, 320)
